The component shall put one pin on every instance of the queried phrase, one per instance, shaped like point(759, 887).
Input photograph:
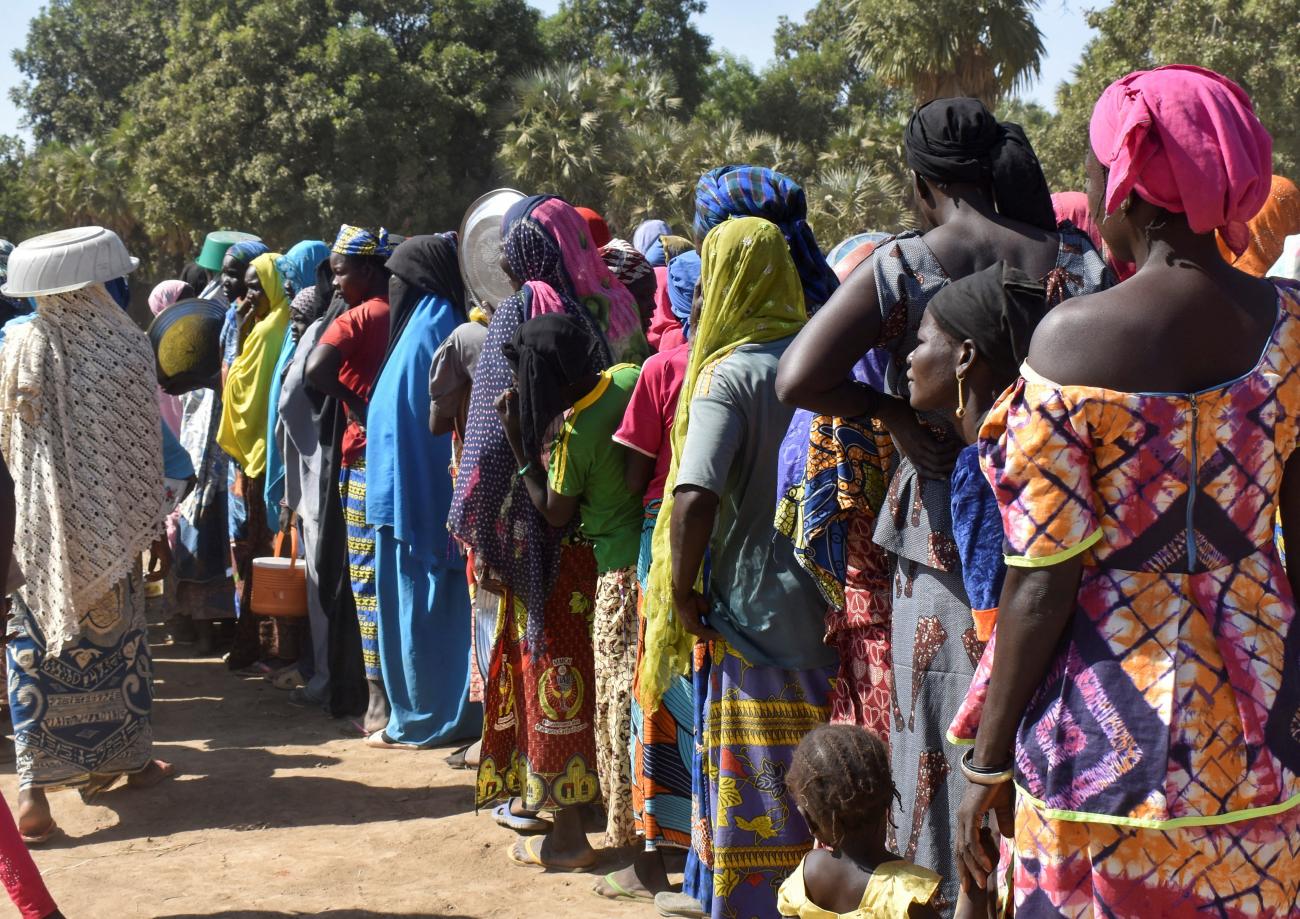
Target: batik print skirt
point(935, 651)
point(83, 714)
point(754, 718)
point(1074, 870)
point(863, 689)
point(361, 564)
point(539, 706)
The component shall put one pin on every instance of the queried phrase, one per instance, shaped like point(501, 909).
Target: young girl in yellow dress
point(842, 786)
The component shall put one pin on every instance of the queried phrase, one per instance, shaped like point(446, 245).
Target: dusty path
point(277, 814)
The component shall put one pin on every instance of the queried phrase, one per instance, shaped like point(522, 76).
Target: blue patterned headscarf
point(247, 250)
point(756, 191)
point(683, 274)
point(361, 241)
point(298, 265)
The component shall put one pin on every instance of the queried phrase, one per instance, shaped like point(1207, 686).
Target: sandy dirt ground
point(277, 814)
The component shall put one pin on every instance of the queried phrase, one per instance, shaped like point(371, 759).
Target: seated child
point(842, 786)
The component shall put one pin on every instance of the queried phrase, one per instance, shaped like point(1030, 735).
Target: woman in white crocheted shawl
point(80, 430)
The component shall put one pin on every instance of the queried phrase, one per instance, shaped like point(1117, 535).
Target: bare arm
point(695, 510)
point(638, 471)
point(1035, 608)
point(557, 509)
point(815, 370)
point(439, 424)
point(323, 367)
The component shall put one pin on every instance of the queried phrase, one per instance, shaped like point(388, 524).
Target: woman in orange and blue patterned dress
point(1145, 688)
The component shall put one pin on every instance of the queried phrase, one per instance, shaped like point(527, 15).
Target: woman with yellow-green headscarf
point(759, 620)
point(263, 316)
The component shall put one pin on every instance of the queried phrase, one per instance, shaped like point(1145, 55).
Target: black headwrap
point(548, 354)
point(420, 267)
point(998, 309)
point(196, 276)
point(959, 140)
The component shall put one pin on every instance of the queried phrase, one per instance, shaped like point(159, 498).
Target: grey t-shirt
point(762, 602)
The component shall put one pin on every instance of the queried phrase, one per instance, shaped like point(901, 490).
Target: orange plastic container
point(279, 583)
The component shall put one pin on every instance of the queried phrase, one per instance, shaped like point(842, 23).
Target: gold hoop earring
point(961, 395)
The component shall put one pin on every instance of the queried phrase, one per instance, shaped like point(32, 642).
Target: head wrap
point(6, 247)
point(1187, 140)
point(675, 246)
point(120, 290)
point(243, 433)
point(751, 295)
point(1269, 229)
point(361, 241)
point(548, 354)
point(997, 309)
point(196, 276)
point(298, 265)
point(625, 261)
point(422, 266)
point(647, 239)
point(756, 191)
point(683, 274)
point(165, 293)
point(596, 225)
point(959, 140)
point(245, 251)
point(306, 307)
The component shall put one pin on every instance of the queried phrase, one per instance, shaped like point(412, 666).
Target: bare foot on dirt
point(377, 712)
point(34, 818)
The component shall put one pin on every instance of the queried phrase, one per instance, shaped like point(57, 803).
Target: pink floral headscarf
point(166, 293)
point(1185, 139)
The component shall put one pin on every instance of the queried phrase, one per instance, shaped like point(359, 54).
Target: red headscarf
point(596, 226)
point(1073, 206)
point(1185, 139)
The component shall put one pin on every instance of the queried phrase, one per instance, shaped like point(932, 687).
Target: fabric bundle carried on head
point(997, 309)
point(548, 354)
point(625, 261)
point(751, 296)
point(683, 275)
point(756, 191)
point(648, 239)
point(596, 225)
point(959, 140)
point(1187, 140)
point(298, 265)
point(244, 403)
point(361, 241)
point(1269, 229)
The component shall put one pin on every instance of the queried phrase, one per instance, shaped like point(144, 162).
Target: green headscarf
point(751, 295)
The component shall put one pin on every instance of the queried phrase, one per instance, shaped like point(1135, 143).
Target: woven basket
point(279, 583)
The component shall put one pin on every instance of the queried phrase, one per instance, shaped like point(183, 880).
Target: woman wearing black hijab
point(982, 198)
point(424, 622)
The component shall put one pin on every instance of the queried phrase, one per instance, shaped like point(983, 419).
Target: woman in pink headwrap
point(162, 296)
point(1144, 690)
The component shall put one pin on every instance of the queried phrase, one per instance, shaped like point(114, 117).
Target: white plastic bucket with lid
point(66, 260)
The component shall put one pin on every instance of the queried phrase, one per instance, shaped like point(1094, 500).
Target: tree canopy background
point(163, 119)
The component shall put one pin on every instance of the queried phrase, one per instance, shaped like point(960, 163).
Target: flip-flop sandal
point(620, 892)
point(381, 741)
point(287, 680)
point(671, 904)
point(168, 771)
point(457, 759)
point(511, 821)
point(532, 857)
point(257, 668)
point(41, 839)
point(354, 728)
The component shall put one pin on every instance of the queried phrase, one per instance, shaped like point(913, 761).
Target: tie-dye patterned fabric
point(1174, 698)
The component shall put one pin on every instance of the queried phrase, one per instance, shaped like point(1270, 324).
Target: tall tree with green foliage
point(298, 115)
point(1256, 43)
point(940, 48)
point(653, 34)
point(15, 213)
point(80, 59)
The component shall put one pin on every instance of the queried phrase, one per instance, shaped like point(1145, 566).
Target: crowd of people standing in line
point(939, 576)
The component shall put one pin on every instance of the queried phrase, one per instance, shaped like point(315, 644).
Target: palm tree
point(845, 200)
point(940, 48)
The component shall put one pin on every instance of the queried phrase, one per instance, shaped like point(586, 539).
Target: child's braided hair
point(841, 778)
